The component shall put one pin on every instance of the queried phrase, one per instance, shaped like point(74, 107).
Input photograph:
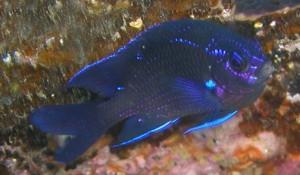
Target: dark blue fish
point(173, 70)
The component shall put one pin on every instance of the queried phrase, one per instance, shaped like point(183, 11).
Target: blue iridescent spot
point(139, 56)
point(119, 88)
point(184, 41)
point(210, 84)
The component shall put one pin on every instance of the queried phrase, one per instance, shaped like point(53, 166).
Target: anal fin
point(141, 126)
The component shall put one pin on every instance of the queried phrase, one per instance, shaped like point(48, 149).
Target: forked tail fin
point(80, 120)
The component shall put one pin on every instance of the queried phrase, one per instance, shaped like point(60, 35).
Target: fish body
point(169, 72)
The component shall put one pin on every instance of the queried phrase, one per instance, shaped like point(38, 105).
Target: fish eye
point(237, 63)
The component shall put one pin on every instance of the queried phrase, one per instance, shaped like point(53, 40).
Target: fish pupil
point(237, 63)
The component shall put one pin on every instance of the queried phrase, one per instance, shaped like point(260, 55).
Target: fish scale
point(178, 69)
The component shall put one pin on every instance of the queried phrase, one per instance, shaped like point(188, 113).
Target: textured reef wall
point(43, 43)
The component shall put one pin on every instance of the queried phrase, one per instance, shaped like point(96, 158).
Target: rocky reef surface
point(43, 43)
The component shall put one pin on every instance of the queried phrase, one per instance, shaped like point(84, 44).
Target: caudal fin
point(80, 120)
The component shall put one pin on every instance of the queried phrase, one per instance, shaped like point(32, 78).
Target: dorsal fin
point(103, 77)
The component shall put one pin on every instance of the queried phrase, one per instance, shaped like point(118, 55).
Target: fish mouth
point(266, 70)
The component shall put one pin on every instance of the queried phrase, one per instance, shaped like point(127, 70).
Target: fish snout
point(267, 70)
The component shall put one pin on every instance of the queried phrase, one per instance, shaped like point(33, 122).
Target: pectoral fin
point(194, 94)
